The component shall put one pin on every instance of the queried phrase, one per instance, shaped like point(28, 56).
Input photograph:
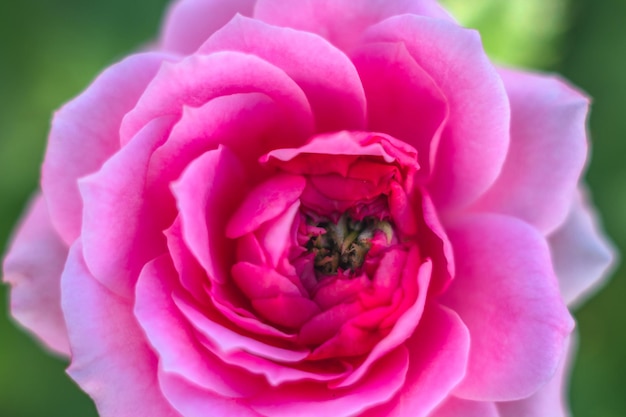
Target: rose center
point(344, 245)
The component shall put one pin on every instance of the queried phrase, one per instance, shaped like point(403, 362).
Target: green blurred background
point(50, 50)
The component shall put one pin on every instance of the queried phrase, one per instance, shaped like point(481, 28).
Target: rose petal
point(190, 22)
point(33, 267)
point(110, 357)
point(474, 143)
point(455, 407)
point(403, 100)
point(325, 74)
point(507, 294)
point(341, 21)
point(174, 341)
point(85, 133)
point(385, 378)
point(198, 79)
point(438, 357)
point(206, 194)
point(547, 151)
point(121, 230)
point(582, 256)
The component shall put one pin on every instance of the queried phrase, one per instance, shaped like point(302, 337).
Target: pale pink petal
point(341, 21)
point(206, 194)
point(324, 73)
point(32, 267)
point(403, 100)
point(456, 407)
point(110, 359)
point(174, 341)
point(438, 358)
point(198, 79)
point(85, 133)
point(582, 255)
point(190, 22)
point(474, 142)
point(306, 399)
point(193, 401)
point(547, 151)
point(121, 229)
point(507, 294)
point(550, 400)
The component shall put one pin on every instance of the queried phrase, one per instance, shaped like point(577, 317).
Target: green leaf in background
point(522, 33)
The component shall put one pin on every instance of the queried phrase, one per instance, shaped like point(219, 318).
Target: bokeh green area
point(50, 50)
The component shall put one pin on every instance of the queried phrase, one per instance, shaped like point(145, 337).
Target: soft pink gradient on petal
point(174, 340)
point(121, 229)
point(110, 357)
point(341, 21)
point(324, 73)
point(547, 151)
point(198, 79)
point(192, 401)
point(33, 267)
point(207, 193)
point(438, 358)
point(507, 294)
point(403, 100)
point(581, 254)
point(85, 133)
point(385, 379)
point(475, 140)
point(550, 400)
point(190, 22)
point(456, 407)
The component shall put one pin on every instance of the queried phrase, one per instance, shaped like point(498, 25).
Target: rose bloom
point(312, 208)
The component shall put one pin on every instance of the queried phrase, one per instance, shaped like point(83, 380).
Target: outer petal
point(341, 21)
point(33, 268)
point(547, 151)
point(439, 350)
point(548, 401)
point(582, 256)
point(506, 293)
point(474, 142)
point(324, 73)
point(85, 133)
point(456, 407)
point(191, 22)
point(110, 358)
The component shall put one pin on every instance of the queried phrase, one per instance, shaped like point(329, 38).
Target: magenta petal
point(305, 399)
point(110, 359)
point(438, 357)
point(474, 142)
point(456, 407)
point(507, 294)
point(550, 400)
point(290, 311)
point(33, 267)
point(547, 151)
point(324, 73)
point(199, 79)
point(191, 22)
point(260, 282)
point(174, 340)
point(582, 256)
point(341, 21)
point(403, 100)
point(85, 133)
point(267, 201)
point(192, 401)
point(121, 230)
point(206, 194)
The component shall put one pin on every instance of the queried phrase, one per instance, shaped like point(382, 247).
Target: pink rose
point(312, 208)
